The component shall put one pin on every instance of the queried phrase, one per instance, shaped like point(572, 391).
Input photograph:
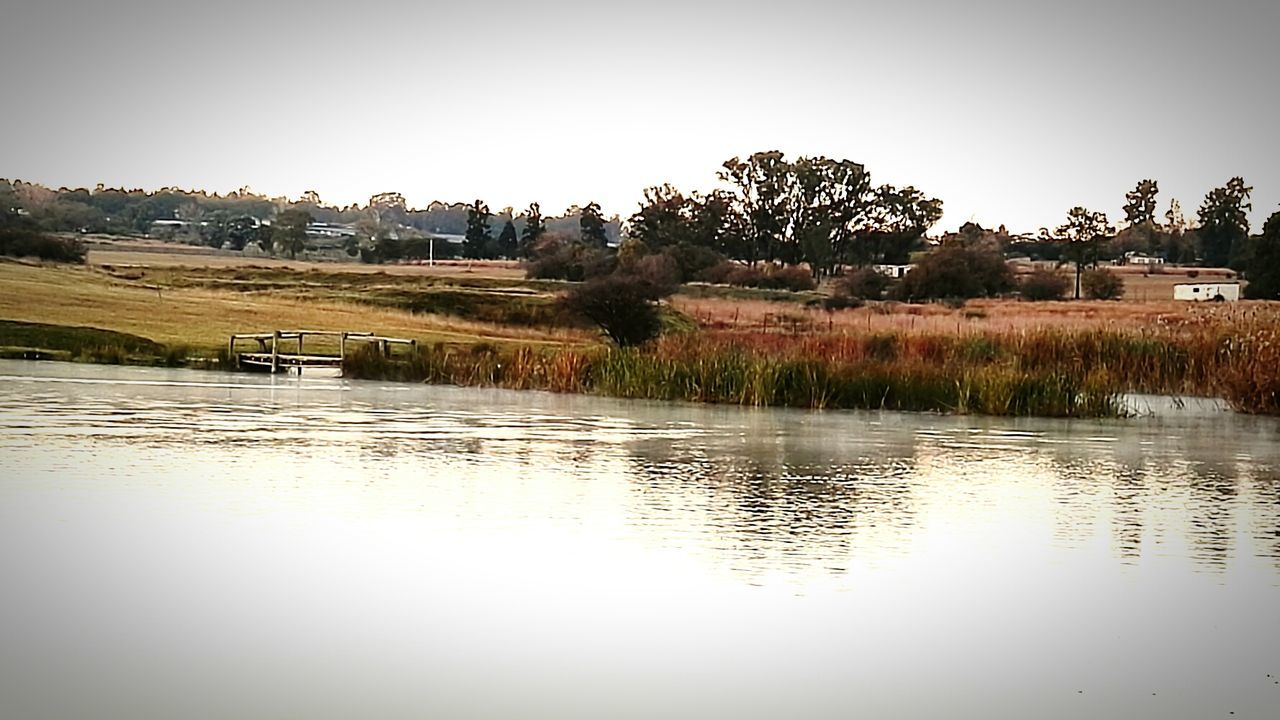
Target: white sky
point(1010, 112)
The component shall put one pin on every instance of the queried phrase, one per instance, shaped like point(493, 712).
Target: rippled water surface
point(185, 544)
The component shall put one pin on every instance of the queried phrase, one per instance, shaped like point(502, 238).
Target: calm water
point(186, 544)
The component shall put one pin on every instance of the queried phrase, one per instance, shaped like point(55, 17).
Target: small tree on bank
point(625, 308)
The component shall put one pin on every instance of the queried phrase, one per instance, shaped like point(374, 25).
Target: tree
point(240, 231)
point(1224, 222)
point(624, 307)
point(507, 240)
point(664, 218)
point(478, 238)
point(1081, 235)
point(591, 224)
point(534, 227)
point(1140, 203)
point(1263, 271)
point(762, 183)
point(289, 233)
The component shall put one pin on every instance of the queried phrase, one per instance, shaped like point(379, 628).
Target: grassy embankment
point(154, 317)
point(995, 357)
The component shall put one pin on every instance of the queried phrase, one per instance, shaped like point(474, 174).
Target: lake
point(177, 543)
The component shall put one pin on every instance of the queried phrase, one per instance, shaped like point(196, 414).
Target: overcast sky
point(1010, 112)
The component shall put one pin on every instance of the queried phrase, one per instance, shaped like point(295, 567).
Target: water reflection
point(754, 491)
point(454, 552)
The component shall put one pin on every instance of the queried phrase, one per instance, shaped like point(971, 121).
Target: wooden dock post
point(275, 352)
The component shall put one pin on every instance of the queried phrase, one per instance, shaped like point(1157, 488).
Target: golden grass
point(204, 318)
point(977, 316)
point(157, 255)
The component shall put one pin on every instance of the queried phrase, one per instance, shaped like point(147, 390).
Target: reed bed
point(1046, 372)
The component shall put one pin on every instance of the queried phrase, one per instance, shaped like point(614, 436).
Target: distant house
point(1218, 292)
point(1137, 258)
point(330, 230)
point(895, 272)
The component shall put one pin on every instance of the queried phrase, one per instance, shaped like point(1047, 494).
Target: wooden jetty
point(273, 355)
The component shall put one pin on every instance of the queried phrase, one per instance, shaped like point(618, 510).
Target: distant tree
point(1140, 203)
point(763, 183)
point(1224, 222)
point(1081, 236)
point(478, 238)
point(240, 231)
point(289, 232)
point(508, 240)
point(591, 223)
point(534, 227)
point(664, 218)
point(1263, 271)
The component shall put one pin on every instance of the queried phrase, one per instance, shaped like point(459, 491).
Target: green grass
point(60, 342)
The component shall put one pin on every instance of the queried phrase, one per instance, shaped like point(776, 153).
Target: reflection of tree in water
point(1159, 483)
point(1266, 529)
point(782, 505)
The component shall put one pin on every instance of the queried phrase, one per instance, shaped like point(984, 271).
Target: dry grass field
point(203, 318)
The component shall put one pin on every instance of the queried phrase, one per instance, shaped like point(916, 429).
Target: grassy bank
point(39, 341)
point(1001, 357)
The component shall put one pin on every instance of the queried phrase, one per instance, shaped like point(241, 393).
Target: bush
point(558, 259)
point(23, 242)
point(1101, 284)
point(864, 284)
point(624, 307)
point(692, 260)
point(659, 271)
point(1043, 285)
point(956, 272)
point(765, 277)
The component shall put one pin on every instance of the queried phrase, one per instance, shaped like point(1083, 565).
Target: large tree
point(1081, 234)
point(1140, 203)
point(1224, 222)
point(1263, 270)
point(478, 239)
point(762, 183)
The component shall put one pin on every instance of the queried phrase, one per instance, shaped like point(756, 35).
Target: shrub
point(1101, 284)
point(791, 277)
point(864, 284)
point(718, 274)
point(1043, 285)
point(692, 260)
point(956, 272)
point(561, 260)
point(659, 271)
point(23, 242)
point(624, 307)
point(766, 277)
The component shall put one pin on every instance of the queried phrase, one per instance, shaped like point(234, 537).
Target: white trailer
point(1207, 291)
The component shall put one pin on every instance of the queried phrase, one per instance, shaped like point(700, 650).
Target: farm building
point(1206, 291)
point(896, 272)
